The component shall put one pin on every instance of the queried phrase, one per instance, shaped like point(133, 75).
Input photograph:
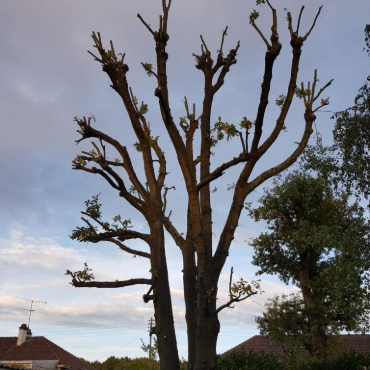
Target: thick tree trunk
point(318, 337)
point(190, 283)
point(164, 322)
point(208, 326)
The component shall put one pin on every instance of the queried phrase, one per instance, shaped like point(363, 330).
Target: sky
point(47, 78)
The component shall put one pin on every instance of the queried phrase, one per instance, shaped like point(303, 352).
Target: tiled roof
point(38, 348)
point(358, 342)
point(260, 343)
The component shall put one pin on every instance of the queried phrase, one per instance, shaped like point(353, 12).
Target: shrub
point(251, 361)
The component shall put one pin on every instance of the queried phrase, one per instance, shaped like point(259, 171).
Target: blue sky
point(47, 78)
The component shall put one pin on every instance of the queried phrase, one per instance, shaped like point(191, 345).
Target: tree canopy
point(321, 243)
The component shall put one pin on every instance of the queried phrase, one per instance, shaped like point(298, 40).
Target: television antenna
point(30, 310)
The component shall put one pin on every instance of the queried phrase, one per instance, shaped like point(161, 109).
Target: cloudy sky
point(47, 78)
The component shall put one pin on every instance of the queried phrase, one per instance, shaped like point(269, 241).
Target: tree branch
point(219, 171)
point(272, 53)
point(148, 297)
point(145, 24)
point(253, 23)
point(121, 234)
point(299, 20)
point(117, 71)
point(129, 250)
point(176, 236)
point(313, 25)
point(226, 63)
point(233, 297)
point(310, 117)
point(88, 132)
point(110, 284)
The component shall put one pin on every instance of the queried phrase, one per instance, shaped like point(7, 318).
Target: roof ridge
point(47, 341)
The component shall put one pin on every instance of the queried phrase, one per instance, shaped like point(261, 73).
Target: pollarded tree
point(202, 261)
point(320, 243)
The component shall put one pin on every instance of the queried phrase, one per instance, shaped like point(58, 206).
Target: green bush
point(251, 361)
point(346, 361)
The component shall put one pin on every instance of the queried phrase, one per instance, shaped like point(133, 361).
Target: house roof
point(260, 343)
point(38, 348)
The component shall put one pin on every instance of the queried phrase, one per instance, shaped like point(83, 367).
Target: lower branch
point(239, 291)
point(109, 284)
point(177, 237)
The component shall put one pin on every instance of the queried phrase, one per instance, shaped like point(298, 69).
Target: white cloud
point(21, 255)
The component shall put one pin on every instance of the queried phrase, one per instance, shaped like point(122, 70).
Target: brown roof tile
point(38, 348)
point(260, 343)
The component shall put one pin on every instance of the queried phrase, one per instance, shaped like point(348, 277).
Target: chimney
point(23, 333)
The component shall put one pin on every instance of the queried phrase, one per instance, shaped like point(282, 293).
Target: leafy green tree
point(143, 186)
point(320, 243)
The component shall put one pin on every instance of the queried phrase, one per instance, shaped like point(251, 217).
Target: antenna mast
point(30, 310)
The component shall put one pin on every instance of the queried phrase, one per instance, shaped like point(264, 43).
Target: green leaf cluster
point(118, 223)
point(148, 67)
point(224, 128)
point(152, 140)
point(246, 123)
point(79, 161)
point(93, 207)
point(253, 16)
point(280, 100)
point(300, 93)
point(82, 234)
point(84, 275)
point(143, 108)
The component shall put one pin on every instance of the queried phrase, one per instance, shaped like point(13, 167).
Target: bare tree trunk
point(164, 322)
point(190, 286)
point(208, 325)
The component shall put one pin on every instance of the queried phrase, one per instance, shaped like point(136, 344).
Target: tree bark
point(190, 284)
point(208, 325)
point(164, 321)
point(318, 336)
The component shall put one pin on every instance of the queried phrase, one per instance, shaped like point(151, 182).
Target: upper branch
point(226, 63)
point(296, 43)
point(273, 50)
point(219, 171)
point(189, 128)
point(161, 38)
point(310, 117)
point(313, 24)
point(116, 70)
point(162, 172)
